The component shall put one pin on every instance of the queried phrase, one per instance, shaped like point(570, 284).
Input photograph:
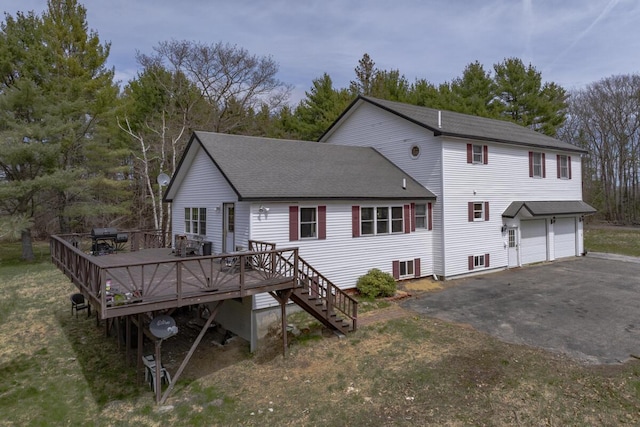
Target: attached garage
point(564, 239)
point(533, 241)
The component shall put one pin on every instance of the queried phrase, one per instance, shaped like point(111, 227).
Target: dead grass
point(413, 370)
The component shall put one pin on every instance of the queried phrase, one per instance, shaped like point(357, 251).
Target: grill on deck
point(104, 241)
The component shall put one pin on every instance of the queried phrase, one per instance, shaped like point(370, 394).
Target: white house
point(507, 195)
point(409, 190)
point(347, 209)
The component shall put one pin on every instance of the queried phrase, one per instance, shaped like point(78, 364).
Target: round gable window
point(415, 152)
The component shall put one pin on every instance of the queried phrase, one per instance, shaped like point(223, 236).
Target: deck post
point(188, 356)
point(283, 297)
point(127, 339)
point(158, 382)
point(140, 343)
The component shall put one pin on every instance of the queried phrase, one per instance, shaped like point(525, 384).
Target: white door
point(512, 243)
point(533, 241)
point(564, 240)
point(228, 228)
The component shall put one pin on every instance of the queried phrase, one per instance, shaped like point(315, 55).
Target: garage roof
point(546, 208)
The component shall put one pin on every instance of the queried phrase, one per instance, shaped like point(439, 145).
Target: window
point(478, 261)
point(381, 220)
point(536, 165)
point(478, 211)
point(477, 154)
point(195, 221)
point(396, 219)
point(308, 223)
point(564, 166)
point(406, 269)
point(512, 238)
point(421, 215)
point(366, 221)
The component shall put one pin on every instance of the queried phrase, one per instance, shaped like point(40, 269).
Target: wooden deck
point(147, 280)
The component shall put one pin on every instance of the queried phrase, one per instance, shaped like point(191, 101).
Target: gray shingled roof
point(467, 126)
point(264, 168)
point(546, 208)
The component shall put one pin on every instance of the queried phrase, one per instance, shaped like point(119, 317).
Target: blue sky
point(572, 42)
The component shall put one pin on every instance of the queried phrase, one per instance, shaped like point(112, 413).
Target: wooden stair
point(329, 304)
point(313, 292)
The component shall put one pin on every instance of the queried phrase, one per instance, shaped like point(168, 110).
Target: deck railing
point(122, 289)
point(136, 240)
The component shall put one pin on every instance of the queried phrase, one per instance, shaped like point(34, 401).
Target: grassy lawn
point(620, 240)
point(59, 370)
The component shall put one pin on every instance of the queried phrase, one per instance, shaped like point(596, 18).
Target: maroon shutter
point(470, 211)
point(486, 211)
point(531, 164)
point(469, 153)
point(544, 167)
point(322, 222)
point(470, 262)
point(293, 223)
point(486, 260)
point(558, 163)
point(485, 152)
point(407, 218)
point(416, 268)
point(355, 221)
point(430, 216)
point(569, 165)
point(413, 217)
point(396, 270)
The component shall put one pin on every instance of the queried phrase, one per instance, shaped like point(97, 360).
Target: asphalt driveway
point(587, 308)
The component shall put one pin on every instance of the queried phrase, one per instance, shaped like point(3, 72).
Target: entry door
point(228, 232)
point(512, 237)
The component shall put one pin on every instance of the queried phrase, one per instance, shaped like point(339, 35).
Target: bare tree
point(186, 86)
point(230, 79)
point(604, 118)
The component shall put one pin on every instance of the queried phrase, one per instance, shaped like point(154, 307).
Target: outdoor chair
point(149, 362)
point(78, 303)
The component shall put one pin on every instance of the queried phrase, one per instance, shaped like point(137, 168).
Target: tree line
point(78, 151)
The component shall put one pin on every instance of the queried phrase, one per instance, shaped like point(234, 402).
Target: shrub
point(376, 284)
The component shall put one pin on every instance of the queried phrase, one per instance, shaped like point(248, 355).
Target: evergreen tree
point(365, 75)
point(473, 93)
point(54, 93)
point(525, 100)
point(322, 106)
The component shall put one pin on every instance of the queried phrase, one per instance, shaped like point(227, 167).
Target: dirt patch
point(422, 285)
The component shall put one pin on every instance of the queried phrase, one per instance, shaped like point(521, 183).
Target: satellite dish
point(163, 179)
point(163, 326)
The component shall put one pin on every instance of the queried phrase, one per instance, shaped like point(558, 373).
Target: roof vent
point(439, 119)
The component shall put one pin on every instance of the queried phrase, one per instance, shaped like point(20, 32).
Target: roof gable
point(448, 123)
point(264, 168)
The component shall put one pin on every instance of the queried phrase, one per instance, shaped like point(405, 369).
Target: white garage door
point(533, 241)
point(564, 240)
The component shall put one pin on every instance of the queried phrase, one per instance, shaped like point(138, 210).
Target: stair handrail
point(336, 298)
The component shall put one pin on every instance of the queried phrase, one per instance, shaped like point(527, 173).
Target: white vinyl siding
point(341, 257)
point(205, 187)
point(503, 180)
point(533, 242)
point(564, 233)
point(394, 138)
